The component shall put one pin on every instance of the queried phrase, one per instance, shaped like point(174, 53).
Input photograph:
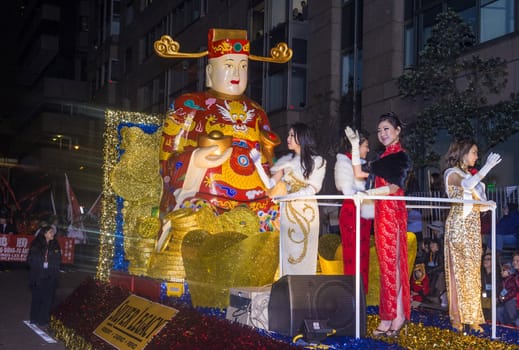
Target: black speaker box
point(294, 298)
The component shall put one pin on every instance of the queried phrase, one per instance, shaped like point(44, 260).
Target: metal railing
point(436, 212)
point(434, 204)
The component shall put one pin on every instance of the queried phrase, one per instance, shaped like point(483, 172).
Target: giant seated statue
point(205, 164)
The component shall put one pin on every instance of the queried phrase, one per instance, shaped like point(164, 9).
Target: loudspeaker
point(249, 306)
point(296, 298)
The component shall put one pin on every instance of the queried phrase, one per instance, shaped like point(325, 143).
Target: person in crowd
point(57, 225)
point(391, 170)
point(296, 15)
point(304, 10)
point(507, 311)
point(463, 233)
point(300, 173)
point(422, 252)
point(436, 183)
point(486, 283)
point(5, 226)
point(41, 223)
point(436, 230)
point(420, 287)
point(435, 268)
point(348, 184)
point(507, 228)
point(414, 223)
point(44, 259)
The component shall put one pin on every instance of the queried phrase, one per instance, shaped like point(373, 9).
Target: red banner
point(16, 248)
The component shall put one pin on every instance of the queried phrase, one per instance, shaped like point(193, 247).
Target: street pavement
point(15, 298)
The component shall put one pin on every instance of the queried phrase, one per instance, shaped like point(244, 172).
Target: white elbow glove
point(379, 191)
point(256, 158)
point(353, 137)
point(306, 191)
point(493, 159)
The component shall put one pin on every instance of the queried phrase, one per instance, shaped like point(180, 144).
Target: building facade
point(348, 55)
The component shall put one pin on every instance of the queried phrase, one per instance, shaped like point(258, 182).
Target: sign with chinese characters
point(16, 248)
point(134, 323)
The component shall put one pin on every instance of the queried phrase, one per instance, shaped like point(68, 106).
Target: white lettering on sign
point(21, 242)
point(3, 241)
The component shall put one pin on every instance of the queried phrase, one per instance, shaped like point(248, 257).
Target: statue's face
point(228, 74)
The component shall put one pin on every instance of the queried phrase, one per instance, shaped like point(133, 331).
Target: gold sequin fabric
point(463, 259)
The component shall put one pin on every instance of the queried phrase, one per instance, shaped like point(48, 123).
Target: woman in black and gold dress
point(463, 246)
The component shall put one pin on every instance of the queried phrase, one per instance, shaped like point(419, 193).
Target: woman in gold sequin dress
point(463, 246)
point(302, 173)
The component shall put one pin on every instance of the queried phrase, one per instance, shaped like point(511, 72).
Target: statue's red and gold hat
point(222, 42)
point(227, 41)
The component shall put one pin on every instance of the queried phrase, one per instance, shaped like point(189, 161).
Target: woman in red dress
point(391, 171)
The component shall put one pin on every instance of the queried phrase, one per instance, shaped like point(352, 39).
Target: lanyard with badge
point(46, 263)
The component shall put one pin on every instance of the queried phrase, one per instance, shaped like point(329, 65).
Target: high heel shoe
point(378, 332)
point(457, 326)
point(476, 328)
point(393, 333)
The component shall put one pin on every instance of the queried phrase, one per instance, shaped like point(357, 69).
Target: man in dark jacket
point(507, 228)
point(44, 260)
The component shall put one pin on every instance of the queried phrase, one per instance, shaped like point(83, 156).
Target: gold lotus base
point(215, 263)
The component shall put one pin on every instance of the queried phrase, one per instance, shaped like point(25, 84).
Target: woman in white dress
point(302, 173)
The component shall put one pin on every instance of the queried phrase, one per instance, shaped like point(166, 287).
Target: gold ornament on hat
point(221, 42)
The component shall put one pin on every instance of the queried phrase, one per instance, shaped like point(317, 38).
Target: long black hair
point(305, 138)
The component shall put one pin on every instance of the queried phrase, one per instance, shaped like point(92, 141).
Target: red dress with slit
point(390, 226)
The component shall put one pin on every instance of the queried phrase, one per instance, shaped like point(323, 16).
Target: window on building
point(129, 13)
point(116, 17)
point(128, 60)
point(350, 19)
point(497, 18)
point(145, 94)
point(114, 70)
point(299, 10)
point(466, 9)
point(277, 91)
point(351, 63)
point(106, 71)
point(348, 70)
point(409, 44)
point(489, 19)
point(146, 3)
point(298, 89)
point(297, 80)
point(257, 27)
point(299, 49)
point(427, 20)
point(278, 13)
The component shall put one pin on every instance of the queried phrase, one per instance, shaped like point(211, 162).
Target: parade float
point(186, 218)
